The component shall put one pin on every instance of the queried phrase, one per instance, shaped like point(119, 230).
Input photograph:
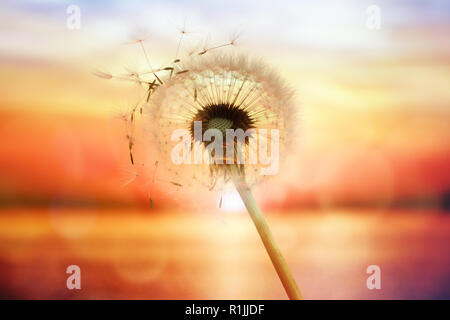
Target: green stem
point(267, 238)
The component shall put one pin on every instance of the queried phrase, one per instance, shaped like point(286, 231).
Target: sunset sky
point(363, 183)
point(374, 104)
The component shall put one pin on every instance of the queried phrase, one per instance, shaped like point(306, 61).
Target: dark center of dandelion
point(222, 117)
point(220, 124)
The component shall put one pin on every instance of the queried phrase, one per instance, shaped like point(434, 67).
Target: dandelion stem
point(267, 238)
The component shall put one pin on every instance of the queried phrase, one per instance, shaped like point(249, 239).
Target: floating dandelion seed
point(102, 75)
point(151, 202)
point(220, 92)
point(130, 175)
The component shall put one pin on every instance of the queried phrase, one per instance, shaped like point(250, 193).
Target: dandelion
point(224, 92)
point(220, 93)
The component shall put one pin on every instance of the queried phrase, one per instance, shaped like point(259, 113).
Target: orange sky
point(374, 121)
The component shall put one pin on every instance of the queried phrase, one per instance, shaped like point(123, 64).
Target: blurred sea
point(133, 254)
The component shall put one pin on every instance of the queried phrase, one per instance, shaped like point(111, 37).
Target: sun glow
point(231, 202)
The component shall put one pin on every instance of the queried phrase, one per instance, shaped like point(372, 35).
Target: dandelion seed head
point(222, 92)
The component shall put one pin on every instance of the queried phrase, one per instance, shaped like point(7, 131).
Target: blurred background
point(366, 183)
